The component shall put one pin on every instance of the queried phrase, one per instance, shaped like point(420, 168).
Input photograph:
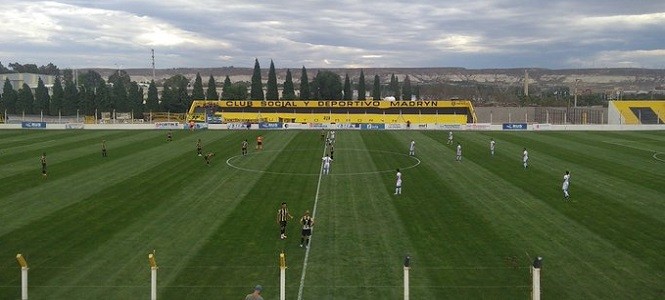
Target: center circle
point(415, 163)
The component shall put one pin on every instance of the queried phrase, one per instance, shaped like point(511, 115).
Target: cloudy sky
point(335, 33)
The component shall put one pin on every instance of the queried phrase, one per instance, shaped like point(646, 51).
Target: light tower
point(153, 63)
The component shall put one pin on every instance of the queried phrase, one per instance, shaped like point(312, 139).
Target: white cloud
point(460, 43)
point(343, 33)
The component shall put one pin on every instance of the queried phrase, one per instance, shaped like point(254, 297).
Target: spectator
point(256, 295)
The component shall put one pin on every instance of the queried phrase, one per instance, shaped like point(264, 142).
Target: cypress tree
point(42, 98)
point(257, 86)
point(348, 93)
point(376, 91)
point(288, 93)
point(362, 90)
point(226, 89)
point(9, 97)
point(197, 89)
point(57, 97)
point(211, 93)
point(24, 100)
point(271, 91)
point(304, 85)
point(406, 89)
point(152, 102)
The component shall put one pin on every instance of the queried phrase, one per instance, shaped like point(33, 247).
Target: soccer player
point(244, 147)
point(283, 215)
point(332, 151)
point(412, 148)
point(323, 135)
point(492, 145)
point(43, 161)
point(199, 148)
point(259, 142)
point(307, 222)
point(398, 183)
point(169, 136)
point(450, 137)
point(326, 164)
point(566, 183)
point(104, 148)
point(208, 157)
point(525, 158)
point(458, 154)
point(332, 136)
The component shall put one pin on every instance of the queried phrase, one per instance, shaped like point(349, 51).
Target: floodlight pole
point(153, 281)
point(24, 276)
point(535, 274)
point(407, 267)
point(282, 276)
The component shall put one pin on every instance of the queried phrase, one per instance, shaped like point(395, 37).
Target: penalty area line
point(309, 246)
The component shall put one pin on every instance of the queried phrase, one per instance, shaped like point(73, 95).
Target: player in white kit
point(525, 158)
point(412, 148)
point(326, 164)
point(398, 183)
point(458, 154)
point(566, 183)
point(450, 137)
point(492, 145)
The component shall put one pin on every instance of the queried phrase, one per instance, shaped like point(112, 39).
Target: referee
point(283, 215)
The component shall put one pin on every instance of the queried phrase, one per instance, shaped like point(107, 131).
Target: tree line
point(89, 92)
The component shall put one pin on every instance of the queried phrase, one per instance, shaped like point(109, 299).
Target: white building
point(18, 79)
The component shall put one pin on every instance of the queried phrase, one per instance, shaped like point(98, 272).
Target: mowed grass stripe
point(58, 151)
point(243, 250)
point(441, 217)
point(181, 223)
point(613, 216)
point(215, 233)
point(63, 189)
point(359, 241)
point(86, 225)
point(598, 253)
point(69, 161)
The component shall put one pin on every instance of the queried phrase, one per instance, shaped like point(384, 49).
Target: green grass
point(472, 228)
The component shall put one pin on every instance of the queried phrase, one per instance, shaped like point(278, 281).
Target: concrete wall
point(498, 115)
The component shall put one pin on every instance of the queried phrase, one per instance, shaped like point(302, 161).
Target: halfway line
point(316, 200)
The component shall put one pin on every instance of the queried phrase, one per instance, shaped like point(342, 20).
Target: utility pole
point(153, 64)
point(576, 82)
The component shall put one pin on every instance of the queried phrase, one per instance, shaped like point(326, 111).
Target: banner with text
point(33, 125)
point(514, 126)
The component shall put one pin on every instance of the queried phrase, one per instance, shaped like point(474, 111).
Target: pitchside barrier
point(337, 126)
point(535, 270)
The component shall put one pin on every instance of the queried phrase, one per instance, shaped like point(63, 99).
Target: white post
point(535, 273)
point(547, 116)
point(24, 276)
point(41, 115)
point(490, 117)
point(407, 267)
point(96, 116)
point(526, 117)
point(59, 116)
point(282, 276)
point(24, 283)
point(153, 281)
point(23, 116)
point(77, 116)
point(509, 117)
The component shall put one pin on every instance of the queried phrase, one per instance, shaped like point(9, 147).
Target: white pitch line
point(316, 201)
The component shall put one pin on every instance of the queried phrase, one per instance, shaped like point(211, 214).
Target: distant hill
point(595, 79)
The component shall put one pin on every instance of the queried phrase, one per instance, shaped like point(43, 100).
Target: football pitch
point(472, 228)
